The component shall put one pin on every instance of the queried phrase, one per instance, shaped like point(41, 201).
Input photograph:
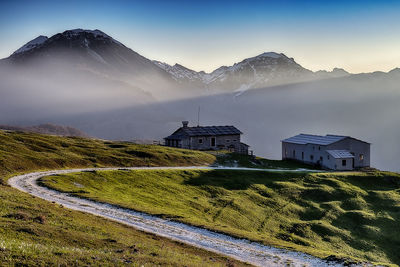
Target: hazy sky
point(360, 36)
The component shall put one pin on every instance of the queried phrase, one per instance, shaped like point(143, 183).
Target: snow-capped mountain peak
point(270, 54)
point(76, 32)
point(95, 33)
point(38, 41)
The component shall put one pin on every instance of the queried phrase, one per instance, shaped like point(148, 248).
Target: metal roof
point(314, 139)
point(204, 131)
point(340, 154)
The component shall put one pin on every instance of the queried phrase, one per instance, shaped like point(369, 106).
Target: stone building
point(207, 138)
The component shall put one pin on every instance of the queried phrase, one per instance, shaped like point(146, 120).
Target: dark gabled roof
point(203, 131)
point(211, 130)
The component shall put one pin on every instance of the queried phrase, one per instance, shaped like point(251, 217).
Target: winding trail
point(240, 249)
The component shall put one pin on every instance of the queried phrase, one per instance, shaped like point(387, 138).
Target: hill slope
point(47, 128)
point(36, 232)
point(343, 214)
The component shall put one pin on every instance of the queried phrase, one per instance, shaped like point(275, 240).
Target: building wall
point(357, 148)
point(347, 167)
point(309, 153)
point(221, 142)
point(314, 154)
point(336, 164)
point(244, 149)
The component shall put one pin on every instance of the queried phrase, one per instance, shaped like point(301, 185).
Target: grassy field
point(350, 214)
point(225, 158)
point(36, 232)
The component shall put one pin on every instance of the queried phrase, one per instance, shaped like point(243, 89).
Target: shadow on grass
point(363, 211)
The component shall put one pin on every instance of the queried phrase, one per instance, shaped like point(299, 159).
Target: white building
point(330, 151)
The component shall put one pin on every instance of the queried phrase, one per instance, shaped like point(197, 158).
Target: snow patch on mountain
point(264, 62)
point(180, 72)
point(38, 41)
point(270, 54)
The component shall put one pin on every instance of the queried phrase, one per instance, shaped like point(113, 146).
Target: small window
point(200, 140)
point(361, 157)
point(302, 155)
point(319, 148)
point(311, 157)
point(234, 140)
point(228, 141)
point(344, 162)
point(321, 158)
point(285, 152)
point(329, 157)
point(294, 153)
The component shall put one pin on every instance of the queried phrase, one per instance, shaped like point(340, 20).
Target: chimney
point(185, 124)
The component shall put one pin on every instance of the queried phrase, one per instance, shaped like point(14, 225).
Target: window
point(313, 148)
point(312, 157)
point(200, 140)
point(329, 157)
point(344, 162)
point(285, 152)
point(302, 155)
point(361, 157)
point(294, 153)
point(321, 158)
point(319, 148)
point(234, 140)
point(212, 141)
point(227, 140)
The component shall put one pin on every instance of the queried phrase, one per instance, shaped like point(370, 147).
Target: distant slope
point(341, 215)
point(47, 129)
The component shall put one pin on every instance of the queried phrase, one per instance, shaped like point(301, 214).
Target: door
point(213, 141)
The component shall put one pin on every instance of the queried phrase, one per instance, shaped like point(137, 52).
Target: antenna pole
point(198, 117)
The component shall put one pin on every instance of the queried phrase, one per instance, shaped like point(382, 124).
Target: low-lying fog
point(365, 106)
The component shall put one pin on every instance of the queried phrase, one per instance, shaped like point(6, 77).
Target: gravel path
point(240, 249)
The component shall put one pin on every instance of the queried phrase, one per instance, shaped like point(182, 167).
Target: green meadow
point(352, 215)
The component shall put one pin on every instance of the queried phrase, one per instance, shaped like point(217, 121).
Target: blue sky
point(360, 36)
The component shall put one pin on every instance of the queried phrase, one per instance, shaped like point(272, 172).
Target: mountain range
point(96, 52)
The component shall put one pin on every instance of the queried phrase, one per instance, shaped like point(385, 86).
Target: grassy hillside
point(21, 152)
point(346, 214)
point(36, 232)
point(228, 159)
